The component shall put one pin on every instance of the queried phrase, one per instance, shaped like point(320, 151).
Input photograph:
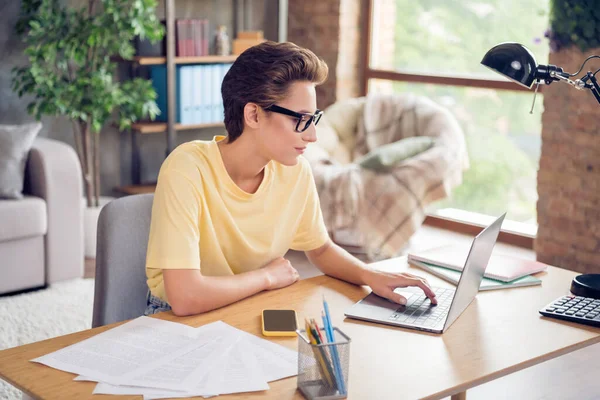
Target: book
point(500, 267)
point(453, 276)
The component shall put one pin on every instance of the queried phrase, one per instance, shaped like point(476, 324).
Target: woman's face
point(280, 140)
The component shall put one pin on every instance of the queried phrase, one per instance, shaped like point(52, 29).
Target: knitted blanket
point(384, 209)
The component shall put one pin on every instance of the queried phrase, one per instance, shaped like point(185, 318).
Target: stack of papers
point(161, 359)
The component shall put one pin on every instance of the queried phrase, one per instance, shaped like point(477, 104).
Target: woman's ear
point(251, 111)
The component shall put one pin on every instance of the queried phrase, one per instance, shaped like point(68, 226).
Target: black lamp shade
point(512, 60)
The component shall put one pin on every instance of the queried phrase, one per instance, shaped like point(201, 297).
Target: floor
point(573, 376)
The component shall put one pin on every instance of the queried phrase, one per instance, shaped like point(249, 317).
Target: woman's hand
point(280, 273)
point(384, 283)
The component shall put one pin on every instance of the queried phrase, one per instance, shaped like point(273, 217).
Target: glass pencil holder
point(323, 368)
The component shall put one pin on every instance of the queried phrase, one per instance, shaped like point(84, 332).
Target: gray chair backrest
point(120, 287)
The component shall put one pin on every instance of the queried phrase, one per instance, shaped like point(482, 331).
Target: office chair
point(120, 288)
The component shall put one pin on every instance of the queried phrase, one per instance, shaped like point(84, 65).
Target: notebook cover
point(453, 276)
point(501, 267)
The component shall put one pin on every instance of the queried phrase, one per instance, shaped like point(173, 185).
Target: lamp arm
point(582, 83)
point(577, 84)
point(594, 86)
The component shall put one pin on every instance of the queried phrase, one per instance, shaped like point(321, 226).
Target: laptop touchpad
point(405, 294)
point(374, 300)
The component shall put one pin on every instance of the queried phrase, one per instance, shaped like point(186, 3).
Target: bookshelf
point(136, 189)
point(181, 60)
point(242, 15)
point(159, 127)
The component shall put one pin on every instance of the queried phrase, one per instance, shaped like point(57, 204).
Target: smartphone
point(279, 323)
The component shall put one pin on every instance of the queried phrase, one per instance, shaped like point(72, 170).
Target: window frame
point(367, 73)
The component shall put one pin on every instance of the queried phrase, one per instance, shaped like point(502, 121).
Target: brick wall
point(569, 174)
point(331, 29)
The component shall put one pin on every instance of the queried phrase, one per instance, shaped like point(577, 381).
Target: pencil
point(338, 373)
point(318, 352)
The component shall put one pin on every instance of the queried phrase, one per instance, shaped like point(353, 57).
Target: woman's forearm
point(198, 294)
point(338, 263)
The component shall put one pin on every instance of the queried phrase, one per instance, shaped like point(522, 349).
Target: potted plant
point(72, 73)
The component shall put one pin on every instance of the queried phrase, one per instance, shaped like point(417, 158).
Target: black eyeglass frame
point(309, 118)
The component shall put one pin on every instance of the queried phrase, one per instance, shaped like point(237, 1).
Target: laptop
point(419, 313)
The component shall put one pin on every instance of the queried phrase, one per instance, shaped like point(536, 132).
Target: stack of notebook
point(503, 271)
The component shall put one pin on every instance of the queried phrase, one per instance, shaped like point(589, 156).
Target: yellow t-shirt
point(202, 220)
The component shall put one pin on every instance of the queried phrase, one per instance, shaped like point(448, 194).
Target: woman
point(226, 211)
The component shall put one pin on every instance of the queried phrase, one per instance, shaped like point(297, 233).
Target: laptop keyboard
point(419, 309)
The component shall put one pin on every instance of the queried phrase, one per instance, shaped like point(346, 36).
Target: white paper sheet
point(110, 355)
point(276, 361)
point(173, 373)
point(235, 371)
point(207, 361)
point(107, 388)
point(84, 379)
point(226, 370)
point(239, 372)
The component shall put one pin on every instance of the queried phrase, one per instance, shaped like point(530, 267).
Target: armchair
point(379, 210)
point(41, 235)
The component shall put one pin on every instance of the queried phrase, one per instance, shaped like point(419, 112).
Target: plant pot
point(90, 225)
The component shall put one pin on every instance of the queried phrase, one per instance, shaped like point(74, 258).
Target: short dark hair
point(262, 74)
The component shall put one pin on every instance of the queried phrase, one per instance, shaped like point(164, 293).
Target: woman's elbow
point(181, 288)
point(183, 307)
point(180, 310)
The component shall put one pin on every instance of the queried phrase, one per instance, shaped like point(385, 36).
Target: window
point(434, 48)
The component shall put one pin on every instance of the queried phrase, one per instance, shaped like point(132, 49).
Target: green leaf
point(71, 72)
point(96, 126)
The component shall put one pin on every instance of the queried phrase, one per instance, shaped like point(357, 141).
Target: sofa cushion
point(22, 218)
point(15, 143)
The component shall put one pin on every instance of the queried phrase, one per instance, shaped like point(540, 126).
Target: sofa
point(41, 235)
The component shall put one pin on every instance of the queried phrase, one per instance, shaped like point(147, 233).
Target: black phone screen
point(279, 320)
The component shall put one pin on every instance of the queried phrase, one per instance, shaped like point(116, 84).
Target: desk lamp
point(517, 63)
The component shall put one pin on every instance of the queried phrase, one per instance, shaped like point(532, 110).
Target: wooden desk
point(500, 332)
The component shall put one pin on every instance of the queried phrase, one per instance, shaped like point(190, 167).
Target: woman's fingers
point(414, 277)
point(393, 296)
point(424, 285)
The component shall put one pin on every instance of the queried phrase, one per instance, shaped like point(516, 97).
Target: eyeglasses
point(304, 119)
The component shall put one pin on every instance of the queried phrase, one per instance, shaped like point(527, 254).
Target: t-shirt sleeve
point(312, 232)
point(174, 232)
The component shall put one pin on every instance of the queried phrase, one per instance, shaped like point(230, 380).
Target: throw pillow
point(385, 157)
point(15, 143)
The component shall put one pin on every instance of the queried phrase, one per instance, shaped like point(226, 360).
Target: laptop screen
point(475, 265)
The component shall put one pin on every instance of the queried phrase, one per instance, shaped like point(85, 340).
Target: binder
point(197, 95)
point(206, 94)
point(158, 75)
point(215, 93)
point(186, 92)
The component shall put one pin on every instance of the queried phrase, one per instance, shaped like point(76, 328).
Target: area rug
point(62, 308)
